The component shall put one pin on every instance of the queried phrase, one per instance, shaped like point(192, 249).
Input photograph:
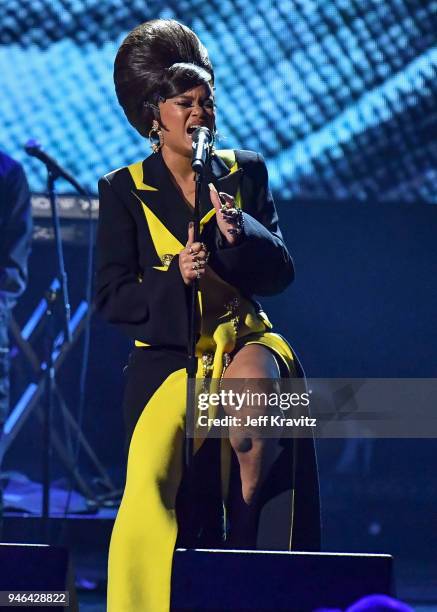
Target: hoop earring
point(155, 137)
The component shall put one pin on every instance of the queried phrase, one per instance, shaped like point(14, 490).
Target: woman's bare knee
point(255, 451)
point(255, 464)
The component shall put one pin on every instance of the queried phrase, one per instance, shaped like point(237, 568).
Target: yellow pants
point(145, 531)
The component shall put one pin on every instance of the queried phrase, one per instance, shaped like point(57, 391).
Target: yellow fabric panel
point(163, 240)
point(145, 531)
point(228, 156)
point(278, 345)
point(238, 202)
point(136, 172)
point(206, 218)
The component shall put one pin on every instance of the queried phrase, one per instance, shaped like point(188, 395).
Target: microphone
point(202, 139)
point(34, 149)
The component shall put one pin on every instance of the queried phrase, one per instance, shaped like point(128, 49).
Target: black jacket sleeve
point(149, 304)
point(16, 232)
point(260, 264)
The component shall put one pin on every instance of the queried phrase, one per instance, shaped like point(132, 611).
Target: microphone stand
point(201, 152)
point(52, 298)
point(192, 361)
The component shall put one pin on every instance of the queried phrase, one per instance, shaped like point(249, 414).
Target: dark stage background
point(363, 305)
point(340, 97)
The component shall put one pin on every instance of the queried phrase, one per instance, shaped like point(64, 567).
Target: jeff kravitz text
point(262, 420)
point(232, 400)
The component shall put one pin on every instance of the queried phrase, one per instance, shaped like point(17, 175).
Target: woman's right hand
point(193, 259)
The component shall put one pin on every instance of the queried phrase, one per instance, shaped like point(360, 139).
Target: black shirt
point(15, 229)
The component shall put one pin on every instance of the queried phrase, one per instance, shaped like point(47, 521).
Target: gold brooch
point(232, 307)
point(226, 360)
point(207, 362)
point(166, 259)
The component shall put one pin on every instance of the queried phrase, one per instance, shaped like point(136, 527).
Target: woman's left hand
point(229, 218)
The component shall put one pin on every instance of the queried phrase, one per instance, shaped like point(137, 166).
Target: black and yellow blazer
point(139, 286)
point(143, 225)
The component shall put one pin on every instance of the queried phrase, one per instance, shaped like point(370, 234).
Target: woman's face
point(182, 114)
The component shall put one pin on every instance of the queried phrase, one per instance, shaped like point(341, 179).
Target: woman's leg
point(145, 531)
point(255, 452)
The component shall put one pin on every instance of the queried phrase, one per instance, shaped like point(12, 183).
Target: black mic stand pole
point(49, 374)
point(192, 361)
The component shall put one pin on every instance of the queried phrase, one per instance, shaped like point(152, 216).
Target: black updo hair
point(158, 59)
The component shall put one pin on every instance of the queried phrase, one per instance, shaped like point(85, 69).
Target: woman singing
point(147, 261)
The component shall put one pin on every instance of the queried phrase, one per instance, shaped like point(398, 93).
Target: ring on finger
point(231, 212)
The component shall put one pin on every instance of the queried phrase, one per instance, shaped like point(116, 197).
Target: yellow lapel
point(136, 172)
point(166, 245)
point(164, 241)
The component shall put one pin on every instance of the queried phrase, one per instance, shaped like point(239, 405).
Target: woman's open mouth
point(193, 127)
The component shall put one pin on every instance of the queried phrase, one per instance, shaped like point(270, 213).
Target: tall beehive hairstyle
point(157, 60)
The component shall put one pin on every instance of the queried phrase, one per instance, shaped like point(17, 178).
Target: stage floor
point(87, 538)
